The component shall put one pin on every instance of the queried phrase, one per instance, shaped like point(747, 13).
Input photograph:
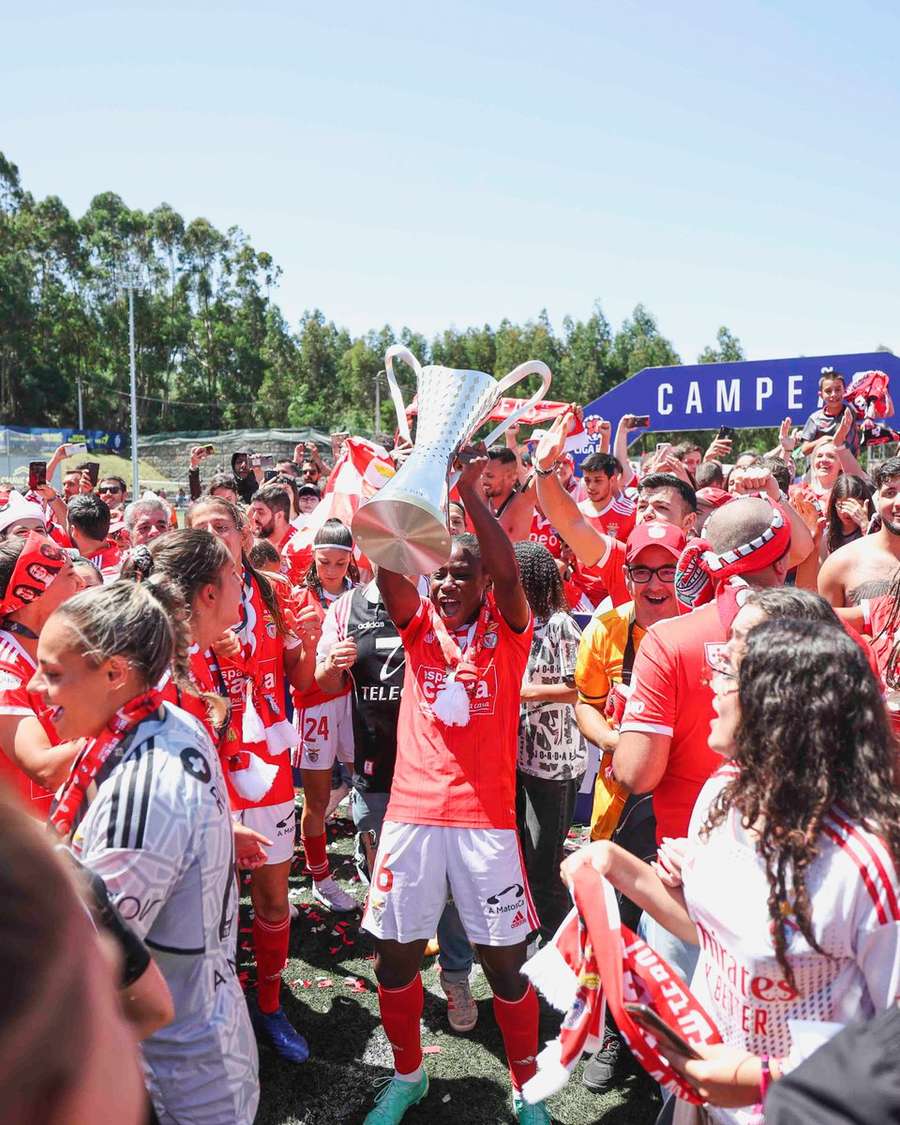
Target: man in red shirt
point(663, 738)
point(88, 519)
point(451, 820)
point(601, 557)
point(605, 509)
point(270, 515)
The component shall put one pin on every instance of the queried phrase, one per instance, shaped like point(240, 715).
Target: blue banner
point(97, 441)
point(704, 396)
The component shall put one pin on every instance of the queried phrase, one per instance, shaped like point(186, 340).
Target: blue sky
point(429, 165)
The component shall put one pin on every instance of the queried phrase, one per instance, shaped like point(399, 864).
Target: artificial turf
point(329, 995)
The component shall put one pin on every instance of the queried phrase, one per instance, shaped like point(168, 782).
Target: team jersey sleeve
point(652, 703)
point(878, 924)
point(137, 839)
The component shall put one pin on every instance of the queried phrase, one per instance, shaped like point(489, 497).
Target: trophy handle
point(397, 351)
point(532, 367)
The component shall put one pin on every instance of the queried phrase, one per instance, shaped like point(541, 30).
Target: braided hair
point(540, 579)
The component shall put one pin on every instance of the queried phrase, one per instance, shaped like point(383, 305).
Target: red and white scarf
point(105, 749)
point(702, 574)
point(594, 961)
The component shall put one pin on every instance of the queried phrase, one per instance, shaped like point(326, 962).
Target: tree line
point(214, 350)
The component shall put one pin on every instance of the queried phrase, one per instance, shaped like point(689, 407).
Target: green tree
point(728, 349)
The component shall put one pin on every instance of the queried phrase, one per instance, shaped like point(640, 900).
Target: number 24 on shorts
point(315, 728)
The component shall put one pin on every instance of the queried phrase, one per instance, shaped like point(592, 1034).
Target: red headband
point(700, 571)
point(36, 567)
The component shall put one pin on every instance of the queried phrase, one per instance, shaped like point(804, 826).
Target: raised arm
point(400, 596)
point(560, 509)
point(497, 556)
point(849, 464)
point(620, 447)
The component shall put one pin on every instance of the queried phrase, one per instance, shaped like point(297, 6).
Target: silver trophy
point(403, 527)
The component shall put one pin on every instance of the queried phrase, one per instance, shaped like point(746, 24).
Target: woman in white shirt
point(788, 881)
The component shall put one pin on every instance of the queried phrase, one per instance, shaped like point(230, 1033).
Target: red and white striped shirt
point(854, 896)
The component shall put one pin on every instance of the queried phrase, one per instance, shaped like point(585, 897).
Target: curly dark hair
point(540, 579)
point(813, 732)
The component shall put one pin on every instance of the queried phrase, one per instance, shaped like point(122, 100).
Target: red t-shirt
point(16, 669)
point(670, 694)
point(297, 556)
point(108, 559)
point(616, 519)
point(462, 777)
point(543, 532)
point(313, 695)
point(258, 769)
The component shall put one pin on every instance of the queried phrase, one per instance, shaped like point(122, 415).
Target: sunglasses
point(642, 574)
point(109, 488)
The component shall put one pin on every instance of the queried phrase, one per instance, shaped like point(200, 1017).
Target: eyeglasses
point(643, 574)
point(109, 488)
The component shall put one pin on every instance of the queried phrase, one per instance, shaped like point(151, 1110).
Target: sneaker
point(462, 1012)
point(530, 1114)
point(395, 1099)
point(605, 1069)
point(277, 1029)
point(331, 896)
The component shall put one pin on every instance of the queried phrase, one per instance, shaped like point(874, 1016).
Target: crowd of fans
point(712, 640)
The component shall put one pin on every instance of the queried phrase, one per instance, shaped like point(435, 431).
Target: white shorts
point(482, 868)
point(326, 733)
point(277, 823)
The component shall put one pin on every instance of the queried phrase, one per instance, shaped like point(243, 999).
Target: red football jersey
point(616, 519)
point(670, 695)
point(108, 560)
point(257, 763)
point(543, 532)
point(459, 776)
point(16, 669)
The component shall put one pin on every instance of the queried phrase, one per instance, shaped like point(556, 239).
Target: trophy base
point(402, 535)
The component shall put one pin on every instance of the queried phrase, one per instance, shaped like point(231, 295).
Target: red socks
point(518, 1023)
point(316, 856)
point(401, 1011)
point(271, 942)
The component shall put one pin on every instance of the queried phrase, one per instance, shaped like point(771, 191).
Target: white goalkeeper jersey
point(853, 892)
point(159, 834)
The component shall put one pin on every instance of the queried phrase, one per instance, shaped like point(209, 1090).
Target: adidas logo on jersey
point(519, 920)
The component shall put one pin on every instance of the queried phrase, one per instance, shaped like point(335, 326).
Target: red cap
point(654, 534)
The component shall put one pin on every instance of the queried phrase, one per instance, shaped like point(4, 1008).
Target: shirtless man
point(865, 567)
point(513, 508)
